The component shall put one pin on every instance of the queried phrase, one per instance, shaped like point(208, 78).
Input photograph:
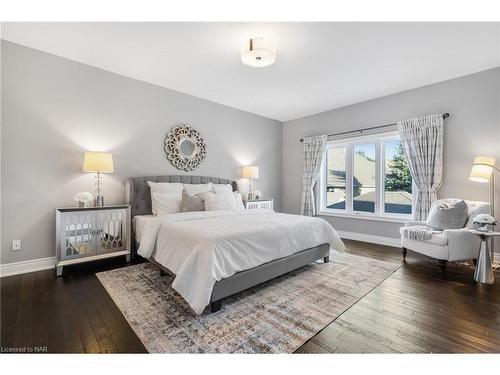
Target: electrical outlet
point(16, 245)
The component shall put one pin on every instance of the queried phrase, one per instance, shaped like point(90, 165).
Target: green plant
point(398, 177)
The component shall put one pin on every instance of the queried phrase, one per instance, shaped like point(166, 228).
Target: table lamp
point(251, 172)
point(483, 170)
point(98, 162)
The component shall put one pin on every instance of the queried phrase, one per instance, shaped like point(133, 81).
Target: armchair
point(449, 244)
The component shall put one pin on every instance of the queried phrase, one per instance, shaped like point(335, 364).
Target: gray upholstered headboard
point(139, 197)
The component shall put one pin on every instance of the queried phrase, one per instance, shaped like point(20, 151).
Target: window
point(336, 184)
point(363, 177)
point(397, 179)
point(366, 176)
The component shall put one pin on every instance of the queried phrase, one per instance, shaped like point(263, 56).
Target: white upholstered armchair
point(449, 244)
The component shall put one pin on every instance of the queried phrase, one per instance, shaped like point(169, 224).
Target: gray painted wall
point(54, 109)
point(473, 129)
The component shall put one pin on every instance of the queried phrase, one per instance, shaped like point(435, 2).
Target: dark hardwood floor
point(418, 309)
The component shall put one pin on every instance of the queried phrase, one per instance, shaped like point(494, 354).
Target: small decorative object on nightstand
point(84, 199)
point(484, 272)
point(91, 233)
point(258, 204)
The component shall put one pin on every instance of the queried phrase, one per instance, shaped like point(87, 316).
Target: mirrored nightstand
point(259, 204)
point(84, 234)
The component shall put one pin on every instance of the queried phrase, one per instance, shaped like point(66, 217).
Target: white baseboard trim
point(380, 240)
point(10, 269)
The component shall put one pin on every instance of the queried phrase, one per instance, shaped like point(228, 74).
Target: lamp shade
point(98, 162)
point(250, 171)
point(482, 168)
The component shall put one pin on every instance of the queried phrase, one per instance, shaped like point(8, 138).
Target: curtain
point(312, 156)
point(422, 140)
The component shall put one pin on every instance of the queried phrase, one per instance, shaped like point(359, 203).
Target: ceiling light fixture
point(258, 54)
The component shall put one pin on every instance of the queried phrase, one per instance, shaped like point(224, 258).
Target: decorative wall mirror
point(185, 147)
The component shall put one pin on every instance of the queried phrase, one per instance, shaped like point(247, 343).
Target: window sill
point(388, 219)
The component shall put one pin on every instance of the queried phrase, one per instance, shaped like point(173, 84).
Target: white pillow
point(166, 203)
point(164, 187)
point(193, 189)
point(239, 200)
point(223, 201)
point(223, 188)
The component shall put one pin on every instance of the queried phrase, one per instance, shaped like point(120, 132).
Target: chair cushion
point(448, 214)
point(439, 238)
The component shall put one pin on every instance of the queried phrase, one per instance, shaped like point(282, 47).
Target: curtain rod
point(445, 116)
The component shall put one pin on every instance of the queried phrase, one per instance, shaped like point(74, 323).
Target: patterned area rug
point(275, 317)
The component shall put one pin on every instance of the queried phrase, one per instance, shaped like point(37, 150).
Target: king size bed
point(215, 254)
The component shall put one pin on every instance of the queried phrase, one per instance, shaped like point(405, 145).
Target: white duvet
point(204, 247)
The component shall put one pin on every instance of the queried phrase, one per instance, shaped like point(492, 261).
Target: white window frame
point(349, 144)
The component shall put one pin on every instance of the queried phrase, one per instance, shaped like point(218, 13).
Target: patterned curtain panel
point(312, 156)
point(422, 140)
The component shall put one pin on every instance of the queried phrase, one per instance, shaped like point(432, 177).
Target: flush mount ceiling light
point(257, 53)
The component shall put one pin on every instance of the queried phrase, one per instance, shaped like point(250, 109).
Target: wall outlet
point(16, 245)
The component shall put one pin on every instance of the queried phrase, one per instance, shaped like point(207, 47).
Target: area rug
point(275, 317)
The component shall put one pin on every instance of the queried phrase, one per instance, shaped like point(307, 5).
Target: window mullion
point(349, 172)
point(379, 178)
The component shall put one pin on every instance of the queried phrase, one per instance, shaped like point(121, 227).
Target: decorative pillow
point(164, 187)
point(193, 189)
point(166, 203)
point(223, 201)
point(447, 214)
point(192, 202)
point(223, 188)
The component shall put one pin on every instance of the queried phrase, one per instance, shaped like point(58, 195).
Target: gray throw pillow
point(191, 203)
point(447, 214)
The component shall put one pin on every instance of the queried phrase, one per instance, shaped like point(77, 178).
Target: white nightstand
point(84, 234)
point(259, 204)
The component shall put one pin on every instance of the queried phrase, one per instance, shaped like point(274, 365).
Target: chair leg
point(404, 251)
point(474, 261)
point(442, 264)
point(162, 273)
point(326, 259)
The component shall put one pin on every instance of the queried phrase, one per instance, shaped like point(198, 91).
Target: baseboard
point(380, 240)
point(17, 268)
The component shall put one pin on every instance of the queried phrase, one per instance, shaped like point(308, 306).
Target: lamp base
point(251, 190)
point(99, 201)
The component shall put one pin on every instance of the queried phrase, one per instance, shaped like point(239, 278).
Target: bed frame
point(139, 197)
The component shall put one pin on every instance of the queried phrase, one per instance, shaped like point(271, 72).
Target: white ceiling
point(320, 66)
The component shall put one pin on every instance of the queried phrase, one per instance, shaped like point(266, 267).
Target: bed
point(215, 254)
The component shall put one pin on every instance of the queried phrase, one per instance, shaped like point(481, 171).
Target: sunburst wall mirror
point(185, 147)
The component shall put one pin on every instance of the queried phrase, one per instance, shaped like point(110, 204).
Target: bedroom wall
point(473, 129)
point(54, 109)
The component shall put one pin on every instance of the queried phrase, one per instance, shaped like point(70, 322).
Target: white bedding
point(139, 222)
point(206, 246)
